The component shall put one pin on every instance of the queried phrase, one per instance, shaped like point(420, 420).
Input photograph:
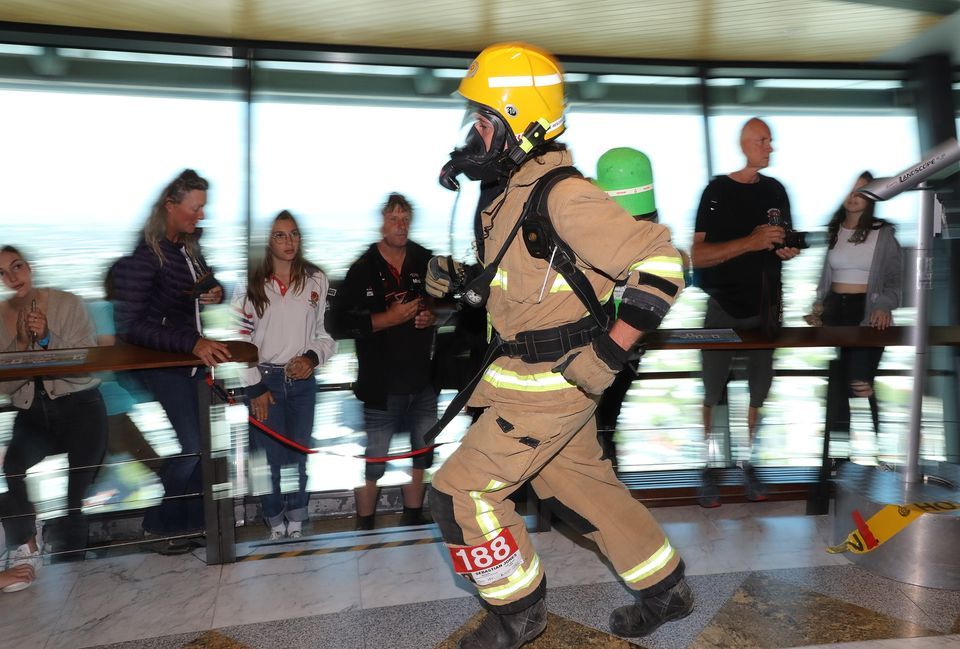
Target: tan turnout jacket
point(526, 294)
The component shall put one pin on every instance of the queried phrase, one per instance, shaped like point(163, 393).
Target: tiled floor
point(759, 572)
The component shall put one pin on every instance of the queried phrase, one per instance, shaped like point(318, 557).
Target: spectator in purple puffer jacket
point(160, 290)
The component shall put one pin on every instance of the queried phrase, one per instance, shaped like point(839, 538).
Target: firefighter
point(549, 362)
point(626, 175)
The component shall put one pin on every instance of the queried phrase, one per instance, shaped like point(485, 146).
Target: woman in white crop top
point(859, 286)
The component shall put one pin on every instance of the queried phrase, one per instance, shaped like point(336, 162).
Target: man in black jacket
point(382, 305)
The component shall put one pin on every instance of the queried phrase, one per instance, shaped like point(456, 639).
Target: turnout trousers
point(558, 452)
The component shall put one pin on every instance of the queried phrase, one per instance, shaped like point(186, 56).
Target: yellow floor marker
point(885, 524)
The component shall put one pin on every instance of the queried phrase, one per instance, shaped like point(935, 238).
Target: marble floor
point(759, 572)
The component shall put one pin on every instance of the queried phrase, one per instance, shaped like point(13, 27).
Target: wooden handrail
point(130, 357)
point(116, 357)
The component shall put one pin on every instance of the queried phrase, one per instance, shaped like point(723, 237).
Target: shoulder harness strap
point(543, 242)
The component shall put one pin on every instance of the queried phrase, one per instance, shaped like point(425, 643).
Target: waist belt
point(538, 346)
point(548, 345)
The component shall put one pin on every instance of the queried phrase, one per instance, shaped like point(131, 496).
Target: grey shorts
point(716, 364)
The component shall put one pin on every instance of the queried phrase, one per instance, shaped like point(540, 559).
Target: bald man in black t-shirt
point(737, 245)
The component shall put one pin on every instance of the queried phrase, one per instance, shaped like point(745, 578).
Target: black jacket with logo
point(394, 360)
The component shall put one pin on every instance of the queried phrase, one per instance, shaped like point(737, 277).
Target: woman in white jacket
point(281, 311)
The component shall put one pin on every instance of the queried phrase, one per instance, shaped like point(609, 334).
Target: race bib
point(490, 562)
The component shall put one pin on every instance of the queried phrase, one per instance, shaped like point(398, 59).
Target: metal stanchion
point(924, 280)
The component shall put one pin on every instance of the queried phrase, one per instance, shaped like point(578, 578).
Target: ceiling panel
point(199, 17)
point(772, 30)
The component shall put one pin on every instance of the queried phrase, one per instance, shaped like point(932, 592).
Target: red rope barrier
point(286, 441)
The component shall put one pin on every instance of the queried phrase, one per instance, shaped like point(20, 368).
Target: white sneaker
point(277, 532)
point(20, 556)
point(294, 529)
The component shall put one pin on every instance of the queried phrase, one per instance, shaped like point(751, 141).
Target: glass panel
point(90, 139)
point(823, 139)
point(659, 424)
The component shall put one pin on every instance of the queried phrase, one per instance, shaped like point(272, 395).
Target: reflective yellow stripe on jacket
point(560, 284)
point(660, 266)
point(499, 377)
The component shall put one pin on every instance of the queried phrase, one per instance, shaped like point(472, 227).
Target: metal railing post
point(924, 279)
point(217, 508)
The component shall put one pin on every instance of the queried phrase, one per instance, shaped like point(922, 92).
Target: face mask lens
point(470, 142)
point(471, 157)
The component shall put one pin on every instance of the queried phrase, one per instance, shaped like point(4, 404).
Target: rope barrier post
point(217, 511)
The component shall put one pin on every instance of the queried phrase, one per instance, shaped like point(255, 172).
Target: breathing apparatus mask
point(506, 152)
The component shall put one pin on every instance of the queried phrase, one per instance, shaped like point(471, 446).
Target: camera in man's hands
point(791, 238)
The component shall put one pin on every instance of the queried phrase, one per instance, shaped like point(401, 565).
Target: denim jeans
point(181, 510)
point(291, 416)
point(413, 413)
point(839, 310)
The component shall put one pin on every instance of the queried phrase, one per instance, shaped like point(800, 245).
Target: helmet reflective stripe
point(555, 125)
point(658, 561)
point(541, 81)
point(628, 192)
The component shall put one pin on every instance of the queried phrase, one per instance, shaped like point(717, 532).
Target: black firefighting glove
point(445, 277)
point(593, 368)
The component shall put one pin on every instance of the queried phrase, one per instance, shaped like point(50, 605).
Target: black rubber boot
point(644, 617)
point(510, 631)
